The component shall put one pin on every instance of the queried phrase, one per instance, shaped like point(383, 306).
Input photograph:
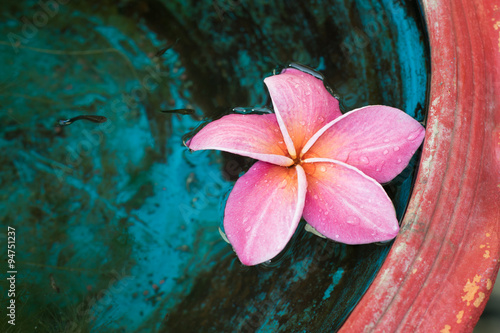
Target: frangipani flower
point(313, 162)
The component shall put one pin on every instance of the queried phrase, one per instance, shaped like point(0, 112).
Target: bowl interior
point(117, 223)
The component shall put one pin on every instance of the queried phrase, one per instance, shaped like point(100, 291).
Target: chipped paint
point(480, 298)
point(446, 329)
point(436, 101)
point(471, 289)
point(434, 133)
point(489, 284)
point(486, 254)
point(460, 316)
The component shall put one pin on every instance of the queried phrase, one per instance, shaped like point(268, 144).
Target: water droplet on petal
point(321, 119)
point(413, 135)
point(364, 159)
point(302, 123)
point(248, 229)
point(337, 236)
point(396, 148)
point(326, 212)
point(386, 140)
point(283, 183)
point(353, 220)
point(399, 160)
point(386, 152)
point(323, 169)
point(307, 92)
point(315, 197)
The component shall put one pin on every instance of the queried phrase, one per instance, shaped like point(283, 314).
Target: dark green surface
point(116, 223)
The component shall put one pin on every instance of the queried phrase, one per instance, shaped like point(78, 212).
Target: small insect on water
point(179, 111)
point(166, 48)
point(92, 118)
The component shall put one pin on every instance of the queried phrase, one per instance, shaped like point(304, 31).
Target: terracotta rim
point(441, 269)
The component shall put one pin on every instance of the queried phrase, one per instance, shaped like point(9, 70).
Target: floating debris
point(189, 180)
point(223, 235)
point(53, 284)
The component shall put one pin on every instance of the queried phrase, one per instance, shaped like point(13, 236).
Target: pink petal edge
point(345, 205)
point(302, 106)
point(255, 136)
point(378, 140)
point(264, 210)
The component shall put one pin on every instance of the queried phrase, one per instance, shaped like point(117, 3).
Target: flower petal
point(256, 136)
point(347, 206)
point(378, 140)
point(263, 211)
point(302, 105)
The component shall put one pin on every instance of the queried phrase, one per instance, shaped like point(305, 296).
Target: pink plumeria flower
point(313, 162)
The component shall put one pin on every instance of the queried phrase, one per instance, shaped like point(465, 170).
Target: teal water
point(117, 223)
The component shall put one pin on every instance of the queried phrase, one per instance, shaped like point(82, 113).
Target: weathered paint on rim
point(442, 267)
